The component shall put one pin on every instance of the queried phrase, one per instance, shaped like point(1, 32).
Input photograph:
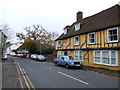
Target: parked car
point(33, 56)
point(40, 58)
point(13, 54)
point(21, 55)
point(4, 57)
point(67, 62)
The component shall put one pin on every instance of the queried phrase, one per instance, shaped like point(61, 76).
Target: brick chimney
point(79, 16)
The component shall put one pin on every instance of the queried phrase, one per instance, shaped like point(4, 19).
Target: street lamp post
point(40, 47)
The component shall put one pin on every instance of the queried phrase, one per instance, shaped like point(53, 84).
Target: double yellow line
point(25, 77)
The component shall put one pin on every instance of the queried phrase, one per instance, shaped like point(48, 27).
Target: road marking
point(50, 68)
point(25, 77)
point(26, 82)
point(29, 80)
point(73, 78)
point(19, 74)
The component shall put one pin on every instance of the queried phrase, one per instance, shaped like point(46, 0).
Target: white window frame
point(65, 31)
point(97, 56)
point(59, 43)
point(60, 53)
point(77, 26)
point(94, 38)
point(108, 35)
point(77, 42)
point(101, 61)
point(78, 54)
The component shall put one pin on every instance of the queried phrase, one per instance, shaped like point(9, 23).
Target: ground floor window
point(60, 53)
point(106, 57)
point(78, 55)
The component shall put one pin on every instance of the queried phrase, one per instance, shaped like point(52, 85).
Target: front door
point(65, 53)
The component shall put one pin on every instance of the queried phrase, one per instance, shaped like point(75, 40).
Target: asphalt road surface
point(48, 75)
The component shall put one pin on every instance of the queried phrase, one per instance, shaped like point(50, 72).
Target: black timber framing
point(84, 49)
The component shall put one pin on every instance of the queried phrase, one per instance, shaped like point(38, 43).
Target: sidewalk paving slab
point(10, 77)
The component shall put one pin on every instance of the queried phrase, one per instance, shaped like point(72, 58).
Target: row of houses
point(94, 40)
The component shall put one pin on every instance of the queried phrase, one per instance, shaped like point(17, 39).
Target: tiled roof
point(103, 20)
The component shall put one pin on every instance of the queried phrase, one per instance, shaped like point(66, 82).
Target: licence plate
point(77, 65)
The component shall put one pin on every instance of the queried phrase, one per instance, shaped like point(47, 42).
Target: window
point(113, 35)
point(91, 38)
point(65, 31)
point(76, 40)
point(60, 53)
point(77, 26)
point(113, 57)
point(78, 55)
point(97, 56)
point(59, 44)
point(106, 57)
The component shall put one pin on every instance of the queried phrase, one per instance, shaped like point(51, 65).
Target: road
point(47, 75)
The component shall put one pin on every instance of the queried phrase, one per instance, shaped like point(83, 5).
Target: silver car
point(33, 56)
point(40, 58)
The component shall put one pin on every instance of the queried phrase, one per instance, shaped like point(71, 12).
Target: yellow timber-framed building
point(94, 40)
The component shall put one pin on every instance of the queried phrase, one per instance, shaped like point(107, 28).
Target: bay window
point(106, 57)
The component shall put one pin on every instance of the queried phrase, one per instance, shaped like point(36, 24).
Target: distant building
point(13, 47)
point(3, 39)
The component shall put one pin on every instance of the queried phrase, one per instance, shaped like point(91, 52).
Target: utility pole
point(40, 47)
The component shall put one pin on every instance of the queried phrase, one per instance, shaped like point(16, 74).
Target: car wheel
point(57, 64)
point(67, 66)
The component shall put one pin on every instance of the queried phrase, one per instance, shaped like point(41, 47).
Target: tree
point(37, 39)
point(6, 30)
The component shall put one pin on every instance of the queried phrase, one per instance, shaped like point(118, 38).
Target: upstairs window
point(65, 31)
point(91, 38)
point(77, 26)
point(76, 40)
point(59, 44)
point(113, 35)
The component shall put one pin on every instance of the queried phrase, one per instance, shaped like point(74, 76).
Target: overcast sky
point(53, 15)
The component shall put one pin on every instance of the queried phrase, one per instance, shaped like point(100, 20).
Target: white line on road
point(73, 78)
point(50, 68)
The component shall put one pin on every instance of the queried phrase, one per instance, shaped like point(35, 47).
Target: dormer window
point(65, 31)
point(77, 26)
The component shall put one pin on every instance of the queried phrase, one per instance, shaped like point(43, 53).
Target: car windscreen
point(66, 58)
point(41, 56)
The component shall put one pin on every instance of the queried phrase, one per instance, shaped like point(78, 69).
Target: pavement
point(0, 74)
point(10, 77)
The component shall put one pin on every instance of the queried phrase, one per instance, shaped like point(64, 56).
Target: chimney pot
point(79, 16)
